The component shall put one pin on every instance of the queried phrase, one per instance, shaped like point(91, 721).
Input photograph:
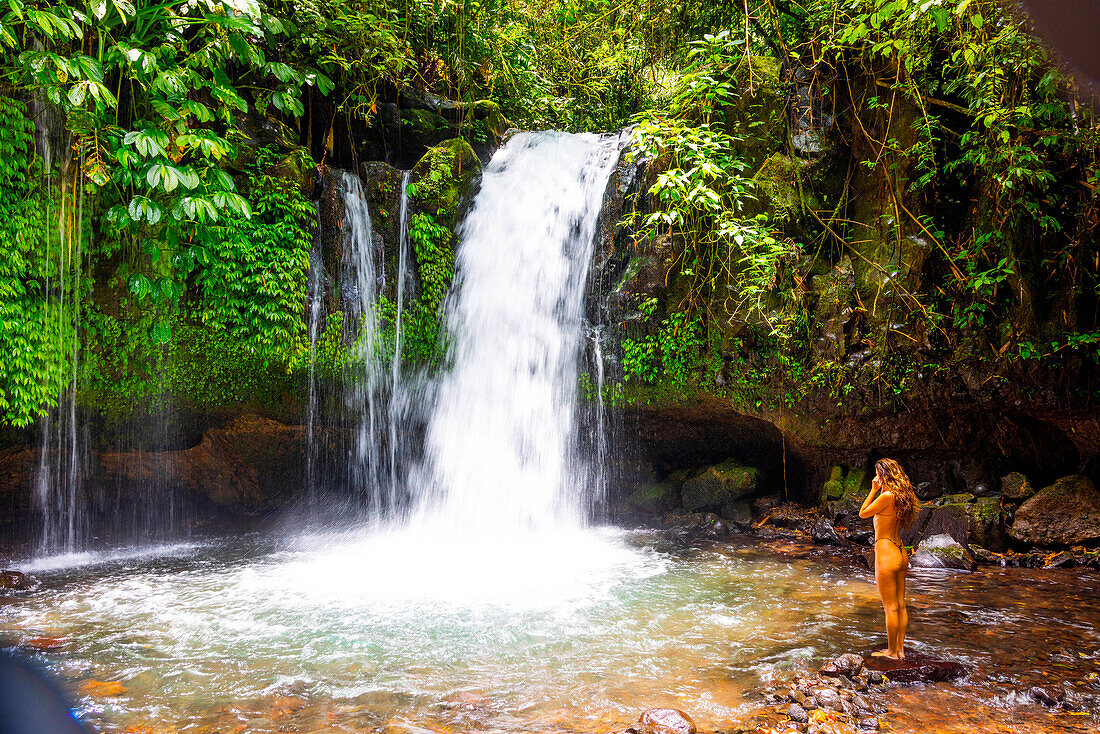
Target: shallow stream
point(571, 631)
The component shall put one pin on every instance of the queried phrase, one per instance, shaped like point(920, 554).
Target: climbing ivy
point(253, 284)
point(33, 329)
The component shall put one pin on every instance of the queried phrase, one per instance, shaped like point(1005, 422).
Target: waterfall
point(62, 461)
point(359, 293)
point(502, 450)
point(316, 285)
point(399, 395)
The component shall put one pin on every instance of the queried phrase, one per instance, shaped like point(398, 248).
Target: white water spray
point(501, 448)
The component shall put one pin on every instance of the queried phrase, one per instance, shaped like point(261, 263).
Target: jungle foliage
point(948, 185)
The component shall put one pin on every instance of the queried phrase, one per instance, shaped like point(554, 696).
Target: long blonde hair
point(894, 479)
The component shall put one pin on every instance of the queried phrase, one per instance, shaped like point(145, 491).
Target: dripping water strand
point(398, 393)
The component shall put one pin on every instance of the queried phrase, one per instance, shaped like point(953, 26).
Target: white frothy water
point(501, 446)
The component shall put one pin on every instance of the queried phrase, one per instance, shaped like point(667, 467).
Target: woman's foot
point(887, 654)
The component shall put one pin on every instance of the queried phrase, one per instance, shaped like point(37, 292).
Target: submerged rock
point(797, 713)
point(704, 525)
point(15, 581)
point(1065, 513)
point(915, 668)
point(942, 551)
point(665, 721)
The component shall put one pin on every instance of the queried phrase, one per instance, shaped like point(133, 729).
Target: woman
point(893, 505)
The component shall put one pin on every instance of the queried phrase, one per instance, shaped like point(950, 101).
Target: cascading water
point(501, 450)
point(59, 479)
point(316, 286)
point(399, 394)
point(359, 292)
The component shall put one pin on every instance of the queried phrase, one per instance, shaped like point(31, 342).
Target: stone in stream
point(1047, 696)
point(827, 698)
point(942, 551)
point(1065, 513)
point(849, 664)
point(915, 668)
point(665, 721)
point(705, 525)
point(824, 533)
point(801, 699)
point(797, 714)
point(15, 581)
point(988, 557)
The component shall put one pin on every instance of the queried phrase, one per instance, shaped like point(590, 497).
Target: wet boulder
point(797, 714)
point(699, 525)
point(15, 581)
point(1065, 513)
point(739, 514)
point(720, 485)
point(655, 498)
point(443, 179)
point(942, 551)
point(985, 523)
point(915, 668)
point(823, 533)
point(849, 664)
point(664, 721)
point(828, 698)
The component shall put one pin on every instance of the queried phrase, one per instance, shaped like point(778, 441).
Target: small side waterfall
point(502, 446)
point(359, 293)
point(399, 393)
point(62, 463)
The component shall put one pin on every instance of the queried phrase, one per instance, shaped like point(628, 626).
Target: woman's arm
point(872, 507)
point(870, 496)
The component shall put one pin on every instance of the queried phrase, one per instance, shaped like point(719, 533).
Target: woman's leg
point(887, 589)
point(903, 612)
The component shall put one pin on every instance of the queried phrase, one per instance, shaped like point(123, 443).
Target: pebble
point(797, 714)
point(868, 724)
point(827, 698)
point(874, 677)
point(801, 699)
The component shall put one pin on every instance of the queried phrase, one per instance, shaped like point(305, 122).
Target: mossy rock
point(488, 112)
point(298, 166)
point(856, 482)
point(783, 182)
point(442, 178)
point(986, 523)
point(425, 126)
point(759, 108)
point(854, 490)
point(1065, 513)
point(833, 488)
point(655, 498)
point(719, 485)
